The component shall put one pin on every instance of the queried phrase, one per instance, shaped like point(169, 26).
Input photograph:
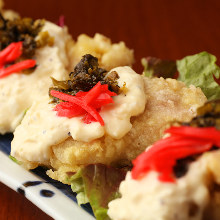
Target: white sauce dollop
point(41, 127)
point(151, 199)
point(19, 91)
point(117, 116)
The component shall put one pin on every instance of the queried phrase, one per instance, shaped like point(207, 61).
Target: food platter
point(52, 197)
point(46, 193)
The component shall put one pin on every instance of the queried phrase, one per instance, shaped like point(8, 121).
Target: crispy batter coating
point(8, 14)
point(109, 55)
point(167, 100)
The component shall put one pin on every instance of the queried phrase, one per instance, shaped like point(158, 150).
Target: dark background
point(169, 29)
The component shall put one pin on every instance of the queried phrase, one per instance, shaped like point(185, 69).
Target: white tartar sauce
point(41, 127)
point(151, 199)
point(19, 91)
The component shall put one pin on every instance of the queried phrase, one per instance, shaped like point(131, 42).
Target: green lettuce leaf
point(14, 160)
point(159, 68)
point(77, 186)
point(198, 70)
point(101, 187)
point(97, 184)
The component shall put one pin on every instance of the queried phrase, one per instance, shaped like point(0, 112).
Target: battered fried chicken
point(167, 100)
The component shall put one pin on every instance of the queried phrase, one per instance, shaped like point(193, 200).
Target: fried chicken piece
point(8, 14)
point(167, 100)
point(189, 181)
point(19, 91)
point(109, 55)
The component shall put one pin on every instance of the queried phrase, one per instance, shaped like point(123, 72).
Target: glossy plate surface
point(54, 198)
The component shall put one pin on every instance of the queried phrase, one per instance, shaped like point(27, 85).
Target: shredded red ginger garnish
point(61, 21)
point(9, 55)
point(183, 141)
point(84, 103)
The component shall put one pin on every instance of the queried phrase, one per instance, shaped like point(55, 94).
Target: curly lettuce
point(77, 186)
point(97, 184)
point(198, 70)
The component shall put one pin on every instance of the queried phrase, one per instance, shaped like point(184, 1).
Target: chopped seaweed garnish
point(25, 30)
point(182, 166)
point(207, 116)
point(172, 156)
point(154, 67)
point(85, 76)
